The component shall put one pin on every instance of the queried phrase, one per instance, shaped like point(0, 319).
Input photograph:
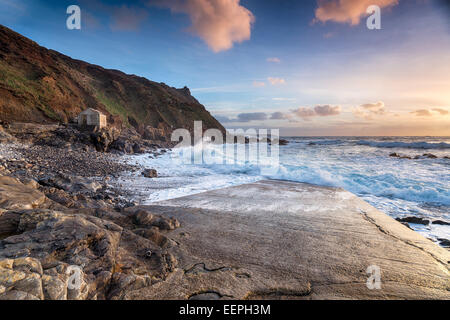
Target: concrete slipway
point(285, 240)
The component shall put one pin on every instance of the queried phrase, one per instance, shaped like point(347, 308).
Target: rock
point(54, 288)
point(205, 296)
point(406, 224)
point(111, 260)
point(122, 145)
point(430, 156)
point(30, 183)
point(6, 137)
point(56, 238)
point(153, 234)
point(444, 242)
point(70, 184)
point(415, 220)
point(440, 222)
point(146, 218)
point(150, 173)
point(396, 155)
point(15, 195)
point(166, 224)
point(143, 218)
point(103, 138)
point(138, 149)
point(21, 279)
point(155, 134)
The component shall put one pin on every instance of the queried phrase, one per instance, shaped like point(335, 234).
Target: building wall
point(92, 119)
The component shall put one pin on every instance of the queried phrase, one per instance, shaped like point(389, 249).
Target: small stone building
point(92, 117)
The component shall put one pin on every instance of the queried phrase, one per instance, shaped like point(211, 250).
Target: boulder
point(150, 173)
point(59, 240)
point(440, 222)
point(6, 137)
point(122, 145)
point(21, 279)
point(110, 260)
point(15, 195)
point(444, 242)
point(103, 138)
point(416, 220)
point(147, 219)
point(70, 184)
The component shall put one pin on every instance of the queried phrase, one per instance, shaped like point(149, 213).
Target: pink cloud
point(327, 110)
point(422, 113)
point(441, 111)
point(369, 110)
point(276, 81)
point(220, 23)
point(347, 11)
point(274, 60)
point(304, 113)
point(258, 84)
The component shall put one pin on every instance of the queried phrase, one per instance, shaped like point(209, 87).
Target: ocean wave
point(407, 145)
point(326, 142)
point(360, 179)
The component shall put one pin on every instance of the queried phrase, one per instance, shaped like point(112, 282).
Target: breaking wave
point(407, 145)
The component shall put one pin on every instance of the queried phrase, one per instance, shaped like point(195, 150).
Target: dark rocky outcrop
point(440, 222)
point(416, 220)
point(150, 173)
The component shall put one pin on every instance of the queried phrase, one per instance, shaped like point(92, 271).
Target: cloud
point(422, 113)
point(283, 99)
point(125, 18)
point(428, 113)
point(318, 111)
point(222, 119)
point(280, 116)
point(276, 81)
point(327, 110)
point(441, 111)
point(258, 84)
point(247, 117)
point(369, 110)
point(304, 113)
point(244, 117)
point(373, 106)
point(347, 11)
point(274, 60)
point(220, 23)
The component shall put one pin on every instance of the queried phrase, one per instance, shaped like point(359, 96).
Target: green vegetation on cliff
point(41, 85)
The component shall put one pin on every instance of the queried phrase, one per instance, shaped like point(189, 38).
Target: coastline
point(59, 209)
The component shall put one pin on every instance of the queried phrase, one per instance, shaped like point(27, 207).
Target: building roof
point(90, 110)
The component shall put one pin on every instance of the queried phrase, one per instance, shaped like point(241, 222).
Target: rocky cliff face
point(44, 86)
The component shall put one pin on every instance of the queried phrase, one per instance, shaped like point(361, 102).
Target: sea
point(409, 185)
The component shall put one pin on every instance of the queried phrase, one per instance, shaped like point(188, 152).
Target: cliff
point(43, 86)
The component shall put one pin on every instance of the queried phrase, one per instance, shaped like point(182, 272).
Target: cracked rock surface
point(43, 244)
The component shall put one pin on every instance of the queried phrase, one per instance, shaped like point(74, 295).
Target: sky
point(309, 68)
